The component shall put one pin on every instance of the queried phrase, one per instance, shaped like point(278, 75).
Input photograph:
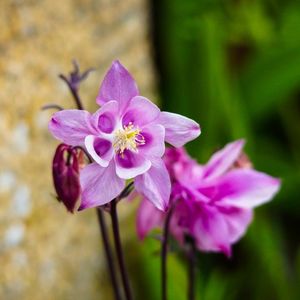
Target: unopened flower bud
point(65, 171)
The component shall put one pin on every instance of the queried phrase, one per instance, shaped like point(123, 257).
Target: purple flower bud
point(65, 171)
point(75, 77)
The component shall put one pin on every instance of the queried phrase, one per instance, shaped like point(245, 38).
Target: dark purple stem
point(191, 260)
point(73, 91)
point(118, 246)
point(126, 191)
point(108, 252)
point(164, 252)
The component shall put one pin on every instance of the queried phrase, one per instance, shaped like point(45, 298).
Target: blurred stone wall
point(45, 252)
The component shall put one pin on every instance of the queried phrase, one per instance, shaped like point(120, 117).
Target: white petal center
point(127, 138)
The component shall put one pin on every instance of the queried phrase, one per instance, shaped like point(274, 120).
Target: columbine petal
point(148, 218)
point(155, 185)
point(105, 118)
point(246, 188)
point(222, 160)
point(71, 126)
point(140, 112)
point(130, 164)
point(154, 137)
point(238, 220)
point(215, 228)
point(179, 129)
point(211, 231)
point(117, 85)
point(100, 149)
point(99, 185)
point(181, 220)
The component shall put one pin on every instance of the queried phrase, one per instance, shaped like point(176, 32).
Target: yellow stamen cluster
point(128, 138)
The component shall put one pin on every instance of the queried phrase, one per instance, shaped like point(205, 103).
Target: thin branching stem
point(73, 91)
point(191, 262)
point(128, 189)
point(164, 253)
point(109, 255)
point(119, 250)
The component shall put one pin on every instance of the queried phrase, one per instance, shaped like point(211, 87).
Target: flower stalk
point(109, 255)
point(73, 82)
point(191, 263)
point(119, 250)
point(164, 253)
point(73, 91)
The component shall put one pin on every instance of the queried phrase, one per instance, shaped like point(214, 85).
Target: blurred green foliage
point(234, 66)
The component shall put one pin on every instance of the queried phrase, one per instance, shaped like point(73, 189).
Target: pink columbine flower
point(214, 202)
point(125, 137)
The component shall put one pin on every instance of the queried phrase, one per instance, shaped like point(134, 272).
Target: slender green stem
point(119, 251)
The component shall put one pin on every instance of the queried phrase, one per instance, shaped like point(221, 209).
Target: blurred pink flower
point(125, 137)
point(213, 202)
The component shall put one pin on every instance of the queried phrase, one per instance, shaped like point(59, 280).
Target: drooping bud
point(65, 171)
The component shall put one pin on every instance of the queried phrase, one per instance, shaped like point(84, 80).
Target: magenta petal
point(181, 220)
point(154, 137)
point(217, 228)
point(105, 118)
point(100, 149)
point(179, 129)
point(155, 185)
point(222, 160)
point(237, 220)
point(140, 112)
point(99, 185)
point(117, 85)
point(71, 126)
point(246, 188)
point(148, 218)
point(211, 231)
point(130, 164)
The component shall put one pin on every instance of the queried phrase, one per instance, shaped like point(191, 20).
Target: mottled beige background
point(46, 253)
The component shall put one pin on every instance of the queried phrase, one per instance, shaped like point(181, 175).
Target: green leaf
point(271, 77)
